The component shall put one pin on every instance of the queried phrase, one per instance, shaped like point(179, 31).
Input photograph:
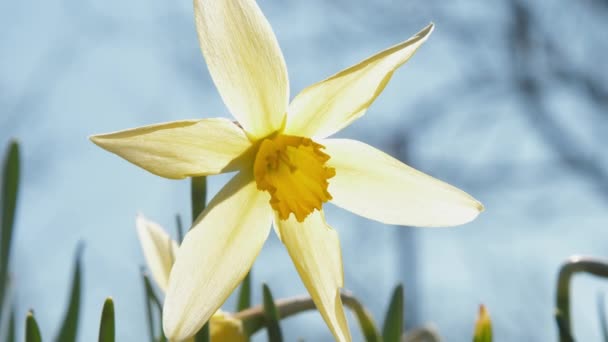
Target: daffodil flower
point(159, 251)
point(288, 168)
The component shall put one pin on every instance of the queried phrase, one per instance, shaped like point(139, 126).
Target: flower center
point(292, 169)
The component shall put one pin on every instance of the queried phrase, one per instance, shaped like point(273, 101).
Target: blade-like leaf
point(483, 326)
point(8, 205)
point(601, 313)
point(198, 197)
point(180, 228)
point(393, 321)
point(12, 328)
point(32, 332)
point(106, 326)
point(152, 304)
point(245, 293)
point(69, 328)
point(271, 315)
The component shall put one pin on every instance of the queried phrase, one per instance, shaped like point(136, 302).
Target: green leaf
point(12, 325)
point(271, 315)
point(152, 299)
point(483, 326)
point(244, 301)
point(198, 195)
point(106, 326)
point(203, 334)
point(8, 205)
point(393, 321)
point(32, 332)
point(69, 328)
point(180, 228)
point(601, 312)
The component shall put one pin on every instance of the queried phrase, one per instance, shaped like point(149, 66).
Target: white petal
point(181, 149)
point(216, 255)
point(159, 249)
point(314, 248)
point(372, 184)
point(330, 105)
point(245, 62)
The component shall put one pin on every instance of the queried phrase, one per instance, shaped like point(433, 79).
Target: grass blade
point(12, 325)
point(245, 293)
point(393, 321)
point(32, 332)
point(198, 197)
point(272, 318)
point(69, 328)
point(180, 228)
point(152, 302)
point(8, 205)
point(107, 326)
point(601, 313)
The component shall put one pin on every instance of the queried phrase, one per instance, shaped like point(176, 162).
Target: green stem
point(575, 264)
point(254, 319)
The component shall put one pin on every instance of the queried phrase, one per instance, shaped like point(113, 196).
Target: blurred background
point(508, 100)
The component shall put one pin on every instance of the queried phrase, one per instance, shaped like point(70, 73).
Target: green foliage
point(12, 328)
point(198, 197)
point(198, 193)
point(601, 312)
point(393, 321)
point(32, 332)
point(572, 266)
point(244, 300)
point(483, 326)
point(271, 315)
point(69, 328)
point(107, 326)
point(8, 206)
point(365, 319)
point(180, 229)
point(152, 304)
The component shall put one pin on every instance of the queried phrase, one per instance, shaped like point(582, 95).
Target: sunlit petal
point(159, 249)
point(245, 62)
point(315, 250)
point(182, 148)
point(372, 184)
point(216, 255)
point(330, 105)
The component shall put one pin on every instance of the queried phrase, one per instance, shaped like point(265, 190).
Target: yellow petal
point(315, 250)
point(182, 148)
point(159, 249)
point(216, 255)
point(245, 62)
point(372, 184)
point(330, 105)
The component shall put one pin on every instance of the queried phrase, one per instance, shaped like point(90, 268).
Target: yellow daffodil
point(159, 251)
point(288, 168)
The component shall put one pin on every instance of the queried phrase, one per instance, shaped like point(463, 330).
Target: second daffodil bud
point(225, 328)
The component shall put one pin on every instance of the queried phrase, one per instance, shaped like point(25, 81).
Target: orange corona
point(292, 169)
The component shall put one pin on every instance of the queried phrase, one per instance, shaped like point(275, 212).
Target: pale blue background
point(463, 109)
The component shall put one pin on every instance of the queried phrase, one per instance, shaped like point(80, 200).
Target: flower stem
point(574, 264)
point(254, 319)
